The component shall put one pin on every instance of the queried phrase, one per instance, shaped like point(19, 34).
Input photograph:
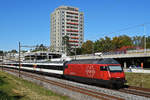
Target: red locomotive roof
point(94, 61)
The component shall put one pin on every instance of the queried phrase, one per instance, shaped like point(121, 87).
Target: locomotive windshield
point(115, 68)
point(107, 61)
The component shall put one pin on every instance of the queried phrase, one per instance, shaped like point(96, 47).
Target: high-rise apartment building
point(66, 21)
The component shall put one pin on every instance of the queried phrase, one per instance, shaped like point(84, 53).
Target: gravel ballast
point(79, 96)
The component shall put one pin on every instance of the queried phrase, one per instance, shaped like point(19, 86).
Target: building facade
point(66, 21)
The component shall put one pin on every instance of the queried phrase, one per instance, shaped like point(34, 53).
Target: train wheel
point(111, 86)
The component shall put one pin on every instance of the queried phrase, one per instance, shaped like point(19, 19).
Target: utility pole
point(2, 60)
point(144, 38)
point(75, 52)
point(93, 49)
point(19, 59)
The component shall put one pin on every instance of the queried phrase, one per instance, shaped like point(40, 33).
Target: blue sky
point(28, 21)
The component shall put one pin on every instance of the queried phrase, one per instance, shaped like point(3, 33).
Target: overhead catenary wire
point(123, 29)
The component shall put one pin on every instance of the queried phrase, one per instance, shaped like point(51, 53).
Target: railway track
point(140, 88)
point(84, 91)
point(136, 91)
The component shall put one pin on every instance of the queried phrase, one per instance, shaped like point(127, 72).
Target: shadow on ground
point(2, 82)
point(4, 95)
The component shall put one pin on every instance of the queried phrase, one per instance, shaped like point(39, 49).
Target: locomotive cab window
point(115, 69)
point(103, 68)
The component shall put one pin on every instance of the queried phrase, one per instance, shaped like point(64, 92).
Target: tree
point(106, 44)
point(12, 51)
point(116, 43)
point(121, 41)
point(138, 41)
point(87, 47)
point(40, 47)
point(52, 48)
point(103, 45)
point(148, 42)
point(1, 53)
point(78, 51)
point(67, 47)
point(24, 51)
point(125, 40)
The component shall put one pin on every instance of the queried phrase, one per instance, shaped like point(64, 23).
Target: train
point(107, 71)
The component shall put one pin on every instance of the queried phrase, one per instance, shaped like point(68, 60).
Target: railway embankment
point(138, 79)
point(80, 91)
point(14, 88)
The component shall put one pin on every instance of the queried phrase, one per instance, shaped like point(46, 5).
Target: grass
point(138, 79)
point(13, 88)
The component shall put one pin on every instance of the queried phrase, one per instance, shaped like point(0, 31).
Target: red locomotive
point(106, 72)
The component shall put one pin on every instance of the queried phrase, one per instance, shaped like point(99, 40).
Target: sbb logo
point(90, 71)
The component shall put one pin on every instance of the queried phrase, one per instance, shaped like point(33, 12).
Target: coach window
point(103, 68)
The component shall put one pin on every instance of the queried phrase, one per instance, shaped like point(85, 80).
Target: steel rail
point(88, 92)
point(138, 92)
point(140, 88)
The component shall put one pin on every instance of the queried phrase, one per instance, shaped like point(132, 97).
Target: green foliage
point(12, 51)
point(40, 47)
point(148, 42)
point(23, 51)
point(118, 42)
point(1, 53)
point(78, 51)
point(87, 47)
point(107, 44)
point(138, 41)
point(103, 45)
point(66, 44)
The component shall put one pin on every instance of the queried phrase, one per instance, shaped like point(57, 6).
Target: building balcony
point(74, 37)
point(74, 13)
point(74, 44)
point(70, 30)
point(72, 27)
point(72, 23)
point(75, 34)
point(74, 20)
point(75, 41)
